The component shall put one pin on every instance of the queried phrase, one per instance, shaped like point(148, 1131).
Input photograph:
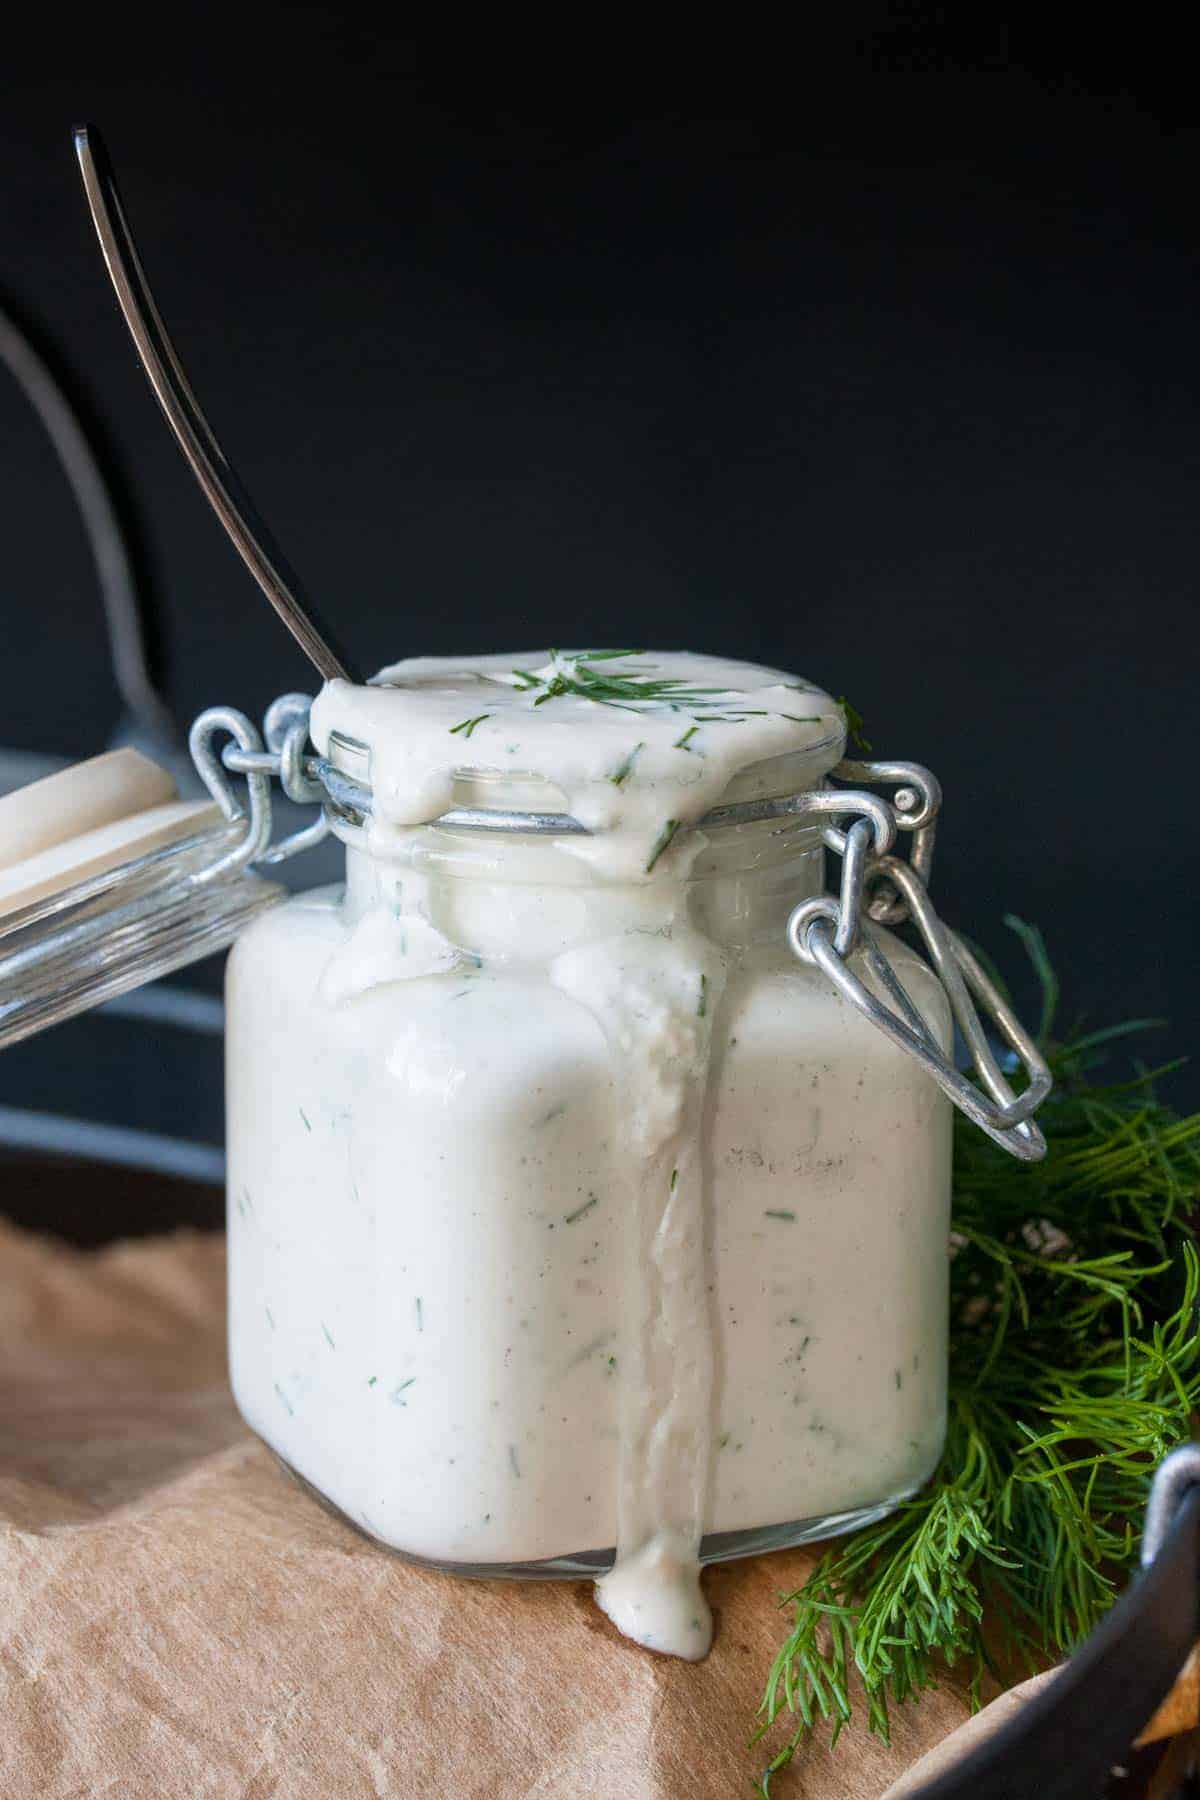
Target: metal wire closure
point(877, 888)
point(825, 931)
point(286, 731)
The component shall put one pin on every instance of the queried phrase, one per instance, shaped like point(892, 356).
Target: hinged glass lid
point(107, 880)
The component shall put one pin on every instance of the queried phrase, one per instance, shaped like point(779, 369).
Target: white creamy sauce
point(601, 1214)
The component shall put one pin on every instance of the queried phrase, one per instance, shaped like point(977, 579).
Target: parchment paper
point(178, 1618)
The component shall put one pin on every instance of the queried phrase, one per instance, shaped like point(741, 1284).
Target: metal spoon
point(208, 462)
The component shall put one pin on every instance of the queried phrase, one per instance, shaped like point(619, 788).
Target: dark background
point(872, 355)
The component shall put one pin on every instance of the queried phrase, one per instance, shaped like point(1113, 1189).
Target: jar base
point(716, 1546)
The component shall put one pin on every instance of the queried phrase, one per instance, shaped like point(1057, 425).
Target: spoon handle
point(195, 437)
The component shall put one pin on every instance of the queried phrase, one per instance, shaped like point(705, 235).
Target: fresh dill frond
point(633, 688)
point(1074, 1368)
point(638, 688)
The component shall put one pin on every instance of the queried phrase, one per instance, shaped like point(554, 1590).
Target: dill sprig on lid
point(637, 688)
point(634, 688)
point(1074, 1368)
point(575, 672)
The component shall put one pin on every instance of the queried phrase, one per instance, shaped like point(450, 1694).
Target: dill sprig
point(637, 688)
point(633, 688)
point(589, 675)
point(1074, 1367)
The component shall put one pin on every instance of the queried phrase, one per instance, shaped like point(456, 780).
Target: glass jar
point(445, 1309)
point(574, 1213)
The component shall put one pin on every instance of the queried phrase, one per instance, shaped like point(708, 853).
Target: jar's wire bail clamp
point(278, 753)
point(877, 888)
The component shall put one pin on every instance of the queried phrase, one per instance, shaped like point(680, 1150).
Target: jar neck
point(528, 900)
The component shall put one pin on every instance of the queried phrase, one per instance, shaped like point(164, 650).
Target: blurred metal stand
point(146, 720)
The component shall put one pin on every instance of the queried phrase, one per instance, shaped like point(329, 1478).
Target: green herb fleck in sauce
point(592, 1200)
point(467, 726)
point(664, 838)
point(623, 771)
point(780, 1213)
point(732, 718)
